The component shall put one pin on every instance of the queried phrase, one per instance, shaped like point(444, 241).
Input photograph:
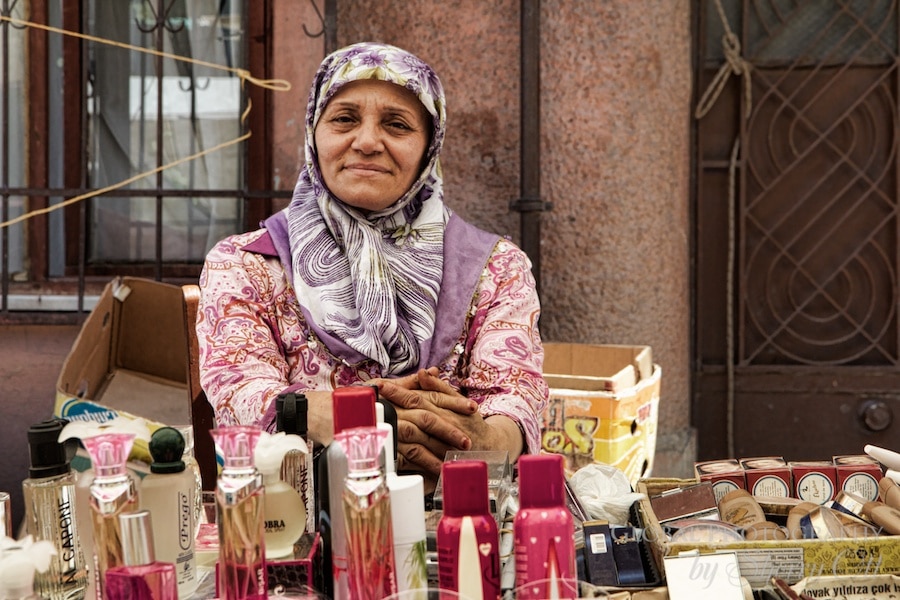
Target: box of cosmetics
point(767, 476)
point(814, 481)
point(858, 474)
point(790, 560)
point(129, 360)
point(725, 475)
point(603, 406)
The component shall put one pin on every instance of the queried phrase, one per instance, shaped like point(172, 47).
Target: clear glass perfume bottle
point(367, 513)
point(141, 576)
point(297, 467)
point(168, 492)
point(239, 516)
point(112, 493)
point(284, 509)
point(187, 432)
point(49, 493)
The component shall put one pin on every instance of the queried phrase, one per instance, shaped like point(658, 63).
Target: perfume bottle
point(190, 461)
point(141, 576)
point(467, 536)
point(283, 507)
point(543, 531)
point(367, 515)
point(49, 493)
point(112, 493)
point(352, 407)
point(168, 493)
point(297, 468)
point(239, 516)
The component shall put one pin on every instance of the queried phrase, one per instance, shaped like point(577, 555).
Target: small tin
point(814, 481)
point(858, 474)
point(725, 475)
point(767, 476)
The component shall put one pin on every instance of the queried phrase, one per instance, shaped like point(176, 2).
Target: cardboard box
point(604, 404)
point(768, 476)
point(858, 474)
point(725, 475)
point(129, 359)
point(814, 480)
point(791, 560)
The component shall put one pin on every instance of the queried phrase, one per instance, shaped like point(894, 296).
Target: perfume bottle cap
point(109, 452)
point(362, 446)
point(465, 484)
point(167, 448)
point(48, 456)
point(271, 449)
point(291, 413)
point(236, 443)
point(137, 538)
point(353, 407)
point(541, 480)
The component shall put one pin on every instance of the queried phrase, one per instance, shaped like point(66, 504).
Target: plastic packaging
point(18, 562)
point(291, 417)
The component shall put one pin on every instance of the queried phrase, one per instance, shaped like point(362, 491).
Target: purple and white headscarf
point(371, 280)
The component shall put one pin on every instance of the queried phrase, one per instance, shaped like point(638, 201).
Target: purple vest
point(466, 252)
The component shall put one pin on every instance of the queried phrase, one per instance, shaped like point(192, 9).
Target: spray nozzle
point(362, 445)
point(271, 448)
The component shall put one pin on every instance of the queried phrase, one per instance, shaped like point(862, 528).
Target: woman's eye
point(398, 125)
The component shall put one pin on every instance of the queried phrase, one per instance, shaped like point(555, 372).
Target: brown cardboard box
point(129, 359)
point(604, 402)
point(791, 560)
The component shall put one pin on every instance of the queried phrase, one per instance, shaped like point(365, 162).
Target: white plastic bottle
point(168, 492)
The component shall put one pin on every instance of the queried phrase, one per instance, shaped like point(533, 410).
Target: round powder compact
point(708, 532)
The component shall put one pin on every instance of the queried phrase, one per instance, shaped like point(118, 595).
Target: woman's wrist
point(509, 435)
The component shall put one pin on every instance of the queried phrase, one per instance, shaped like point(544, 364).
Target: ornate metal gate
point(797, 346)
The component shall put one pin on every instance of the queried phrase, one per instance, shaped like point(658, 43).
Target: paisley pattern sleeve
point(503, 347)
point(237, 325)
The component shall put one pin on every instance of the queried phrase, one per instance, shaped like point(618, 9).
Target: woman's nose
point(368, 137)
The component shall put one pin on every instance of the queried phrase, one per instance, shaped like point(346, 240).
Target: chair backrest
point(202, 416)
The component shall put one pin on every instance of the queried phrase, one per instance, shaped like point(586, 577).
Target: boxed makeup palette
point(760, 560)
point(129, 359)
point(603, 406)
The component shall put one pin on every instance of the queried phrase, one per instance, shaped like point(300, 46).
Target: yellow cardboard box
point(603, 407)
point(790, 560)
point(129, 359)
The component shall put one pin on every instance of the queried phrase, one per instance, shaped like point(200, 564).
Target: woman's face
point(371, 139)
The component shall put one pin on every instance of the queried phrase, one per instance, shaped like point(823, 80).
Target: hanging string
point(278, 85)
point(734, 64)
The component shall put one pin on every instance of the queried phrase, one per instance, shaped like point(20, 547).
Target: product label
point(770, 485)
point(815, 487)
point(863, 485)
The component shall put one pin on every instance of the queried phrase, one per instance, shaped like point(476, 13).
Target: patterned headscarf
point(371, 280)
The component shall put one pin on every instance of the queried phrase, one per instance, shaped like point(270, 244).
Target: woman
point(367, 277)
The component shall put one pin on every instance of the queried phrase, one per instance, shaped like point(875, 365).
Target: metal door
point(796, 247)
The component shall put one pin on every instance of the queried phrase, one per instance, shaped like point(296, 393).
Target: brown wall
point(615, 116)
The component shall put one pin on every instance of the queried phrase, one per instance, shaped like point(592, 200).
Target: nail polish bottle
point(239, 516)
point(140, 576)
point(544, 531)
point(367, 514)
point(49, 493)
point(112, 493)
point(467, 536)
point(284, 509)
point(291, 417)
point(352, 406)
point(168, 492)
